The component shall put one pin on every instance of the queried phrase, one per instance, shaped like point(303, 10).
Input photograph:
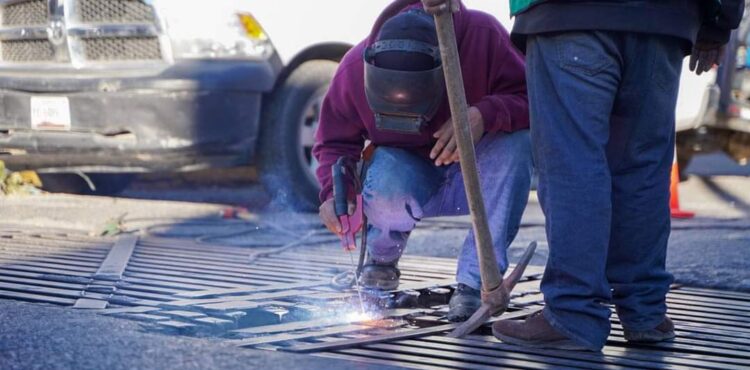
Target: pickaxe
point(495, 290)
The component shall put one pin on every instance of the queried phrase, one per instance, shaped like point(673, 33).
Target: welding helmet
point(404, 81)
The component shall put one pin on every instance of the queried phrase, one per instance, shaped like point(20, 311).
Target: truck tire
point(684, 152)
point(683, 161)
point(287, 168)
point(71, 183)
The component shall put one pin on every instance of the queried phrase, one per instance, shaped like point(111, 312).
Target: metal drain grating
point(283, 302)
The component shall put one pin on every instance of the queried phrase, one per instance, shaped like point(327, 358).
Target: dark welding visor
point(403, 100)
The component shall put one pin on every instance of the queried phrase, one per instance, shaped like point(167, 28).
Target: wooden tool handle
point(454, 82)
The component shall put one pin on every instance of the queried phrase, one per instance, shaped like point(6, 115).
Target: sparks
point(358, 316)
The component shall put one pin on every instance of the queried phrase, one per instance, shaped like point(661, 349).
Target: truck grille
point(28, 13)
point(121, 48)
point(114, 11)
point(80, 32)
point(25, 51)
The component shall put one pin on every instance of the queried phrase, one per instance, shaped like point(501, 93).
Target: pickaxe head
point(496, 301)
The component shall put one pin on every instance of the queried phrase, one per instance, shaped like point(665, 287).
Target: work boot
point(464, 302)
point(664, 331)
point(533, 332)
point(381, 276)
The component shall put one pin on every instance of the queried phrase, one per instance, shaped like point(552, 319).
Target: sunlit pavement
point(711, 250)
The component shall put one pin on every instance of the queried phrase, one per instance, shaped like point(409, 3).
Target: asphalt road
point(35, 336)
point(712, 250)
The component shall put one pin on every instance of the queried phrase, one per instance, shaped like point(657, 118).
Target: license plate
point(50, 113)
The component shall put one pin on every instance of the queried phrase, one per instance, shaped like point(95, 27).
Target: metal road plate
point(210, 290)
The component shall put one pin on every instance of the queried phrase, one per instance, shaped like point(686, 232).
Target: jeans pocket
point(581, 52)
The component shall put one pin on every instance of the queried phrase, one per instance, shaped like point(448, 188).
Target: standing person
point(603, 77)
point(390, 90)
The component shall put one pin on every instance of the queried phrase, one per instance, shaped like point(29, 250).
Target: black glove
point(706, 54)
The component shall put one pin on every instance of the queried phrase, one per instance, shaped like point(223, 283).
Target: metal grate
point(257, 300)
point(27, 51)
point(27, 13)
point(121, 49)
point(114, 11)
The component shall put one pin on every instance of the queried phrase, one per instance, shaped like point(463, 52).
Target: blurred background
point(220, 102)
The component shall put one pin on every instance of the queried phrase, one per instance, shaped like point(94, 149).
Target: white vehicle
point(115, 87)
point(720, 121)
point(108, 88)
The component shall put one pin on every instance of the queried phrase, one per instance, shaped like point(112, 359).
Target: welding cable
point(303, 240)
point(297, 243)
point(203, 237)
point(235, 234)
point(343, 281)
point(362, 248)
point(346, 280)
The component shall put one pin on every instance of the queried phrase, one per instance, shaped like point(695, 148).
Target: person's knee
point(509, 154)
point(383, 173)
point(519, 149)
point(388, 192)
point(392, 211)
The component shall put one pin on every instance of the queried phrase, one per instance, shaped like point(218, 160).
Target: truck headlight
point(241, 38)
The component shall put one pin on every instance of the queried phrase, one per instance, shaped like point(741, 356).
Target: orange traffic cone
point(674, 198)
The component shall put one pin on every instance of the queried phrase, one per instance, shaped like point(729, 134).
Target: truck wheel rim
point(308, 126)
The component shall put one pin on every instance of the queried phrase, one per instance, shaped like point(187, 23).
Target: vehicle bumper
point(188, 116)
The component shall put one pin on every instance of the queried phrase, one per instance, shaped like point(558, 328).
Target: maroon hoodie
point(494, 79)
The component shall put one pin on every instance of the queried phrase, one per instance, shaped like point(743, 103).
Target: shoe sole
point(379, 284)
point(565, 344)
point(650, 338)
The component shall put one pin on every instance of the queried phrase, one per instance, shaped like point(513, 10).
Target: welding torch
point(350, 224)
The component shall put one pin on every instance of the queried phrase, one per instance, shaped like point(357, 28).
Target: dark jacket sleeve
point(506, 107)
point(719, 25)
point(341, 131)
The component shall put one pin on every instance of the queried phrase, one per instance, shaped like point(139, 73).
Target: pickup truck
point(94, 91)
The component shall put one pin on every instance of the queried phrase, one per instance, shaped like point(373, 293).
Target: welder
point(390, 90)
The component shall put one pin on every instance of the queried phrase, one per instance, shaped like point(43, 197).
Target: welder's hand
point(705, 55)
point(436, 7)
point(327, 213)
point(445, 151)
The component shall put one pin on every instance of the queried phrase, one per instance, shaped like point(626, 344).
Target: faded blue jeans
point(603, 129)
point(401, 188)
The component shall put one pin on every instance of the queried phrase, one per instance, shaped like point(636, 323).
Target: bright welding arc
point(356, 283)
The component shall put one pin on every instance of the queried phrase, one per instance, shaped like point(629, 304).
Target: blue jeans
point(401, 188)
point(603, 129)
